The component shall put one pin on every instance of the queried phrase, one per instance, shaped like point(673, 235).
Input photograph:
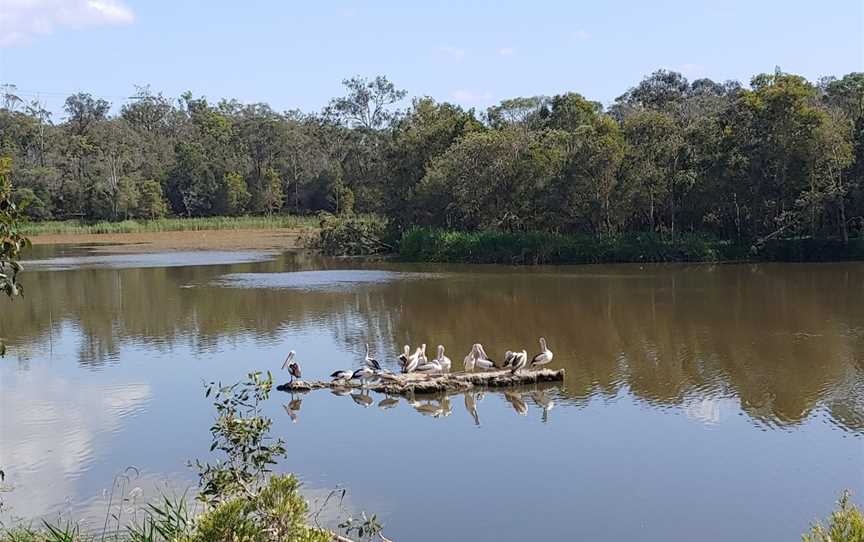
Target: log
point(421, 383)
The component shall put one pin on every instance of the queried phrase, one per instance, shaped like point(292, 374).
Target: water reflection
point(737, 386)
point(784, 340)
point(439, 405)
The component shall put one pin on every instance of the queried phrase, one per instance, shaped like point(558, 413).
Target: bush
point(846, 524)
point(351, 235)
point(433, 245)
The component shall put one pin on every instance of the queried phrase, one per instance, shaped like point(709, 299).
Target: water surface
point(724, 402)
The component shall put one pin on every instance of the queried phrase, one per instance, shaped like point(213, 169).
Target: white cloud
point(59, 428)
point(507, 51)
point(453, 52)
point(21, 20)
point(468, 97)
point(581, 35)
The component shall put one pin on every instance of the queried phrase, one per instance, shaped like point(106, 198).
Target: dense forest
point(781, 157)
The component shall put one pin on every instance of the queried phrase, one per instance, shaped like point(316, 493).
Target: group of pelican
point(477, 359)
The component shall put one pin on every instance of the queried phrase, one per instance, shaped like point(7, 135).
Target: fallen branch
point(419, 383)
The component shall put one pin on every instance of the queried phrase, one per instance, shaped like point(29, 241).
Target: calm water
point(720, 402)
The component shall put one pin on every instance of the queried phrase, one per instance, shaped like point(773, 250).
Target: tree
point(271, 192)
point(151, 202)
point(366, 103)
point(12, 242)
point(235, 194)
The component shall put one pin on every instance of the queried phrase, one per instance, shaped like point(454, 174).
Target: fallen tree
point(422, 383)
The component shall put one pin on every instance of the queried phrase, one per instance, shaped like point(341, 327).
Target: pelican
point(341, 374)
point(430, 367)
point(423, 359)
point(483, 360)
point(413, 361)
point(508, 359)
point(442, 360)
point(520, 360)
point(371, 362)
point(470, 359)
point(292, 365)
point(403, 357)
point(362, 374)
point(544, 357)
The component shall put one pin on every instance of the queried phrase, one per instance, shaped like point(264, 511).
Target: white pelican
point(371, 362)
point(508, 359)
point(430, 367)
point(470, 359)
point(362, 374)
point(413, 361)
point(423, 359)
point(403, 357)
point(442, 360)
point(341, 374)
point(544, 357)
point(520, 360)
point(292, 365)
point(483, 360)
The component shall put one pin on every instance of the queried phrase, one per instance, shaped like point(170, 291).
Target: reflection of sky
point(66, 430)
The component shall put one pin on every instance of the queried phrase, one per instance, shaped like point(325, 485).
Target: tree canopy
point(779, 156)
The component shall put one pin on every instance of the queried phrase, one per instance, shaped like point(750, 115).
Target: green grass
point(170, 224)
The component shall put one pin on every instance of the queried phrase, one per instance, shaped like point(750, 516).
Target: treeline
point(780, 157)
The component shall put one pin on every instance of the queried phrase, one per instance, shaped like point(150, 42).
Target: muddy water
point(720, 402)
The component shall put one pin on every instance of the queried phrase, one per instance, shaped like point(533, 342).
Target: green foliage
point(151, 201)
point(351, 236)
point(432, 245)
point(780, 159)
point(235, 194)
point(846, 524)
point(240, 433)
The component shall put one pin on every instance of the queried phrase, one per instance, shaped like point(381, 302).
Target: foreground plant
point(846, 524)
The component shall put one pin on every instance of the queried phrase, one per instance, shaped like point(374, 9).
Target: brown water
point(724, 403)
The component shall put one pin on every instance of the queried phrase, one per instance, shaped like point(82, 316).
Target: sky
point(294, 54)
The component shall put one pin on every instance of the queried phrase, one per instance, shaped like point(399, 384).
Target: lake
point(712, 402)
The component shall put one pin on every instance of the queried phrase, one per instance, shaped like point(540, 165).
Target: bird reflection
point(362, 399)
point(471, 406)
point(340, 390)
point(388, 402)
point(543, 401)
point(516, 401)
point(293, 408)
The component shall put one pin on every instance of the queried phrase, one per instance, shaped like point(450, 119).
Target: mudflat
point(255, 239)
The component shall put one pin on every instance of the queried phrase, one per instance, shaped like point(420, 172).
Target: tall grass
point(170, 224)
point(433, 245)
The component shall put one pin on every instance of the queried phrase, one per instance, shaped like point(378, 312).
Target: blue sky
point(294, 54)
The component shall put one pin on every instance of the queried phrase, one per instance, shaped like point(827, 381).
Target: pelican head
point(440, 351)
point(542, 343)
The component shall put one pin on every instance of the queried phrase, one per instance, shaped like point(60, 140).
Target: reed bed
point(171, 224)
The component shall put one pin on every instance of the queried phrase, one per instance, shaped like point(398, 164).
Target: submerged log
point(421, 383)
